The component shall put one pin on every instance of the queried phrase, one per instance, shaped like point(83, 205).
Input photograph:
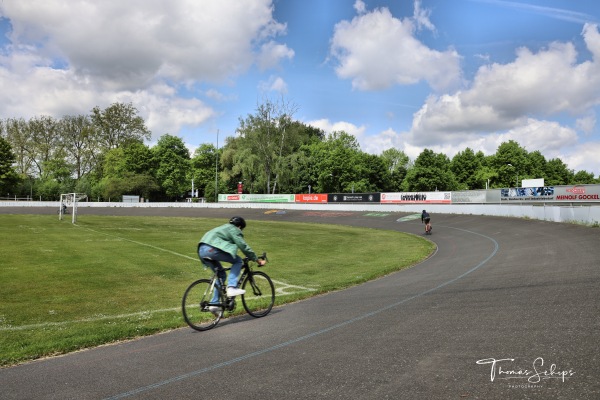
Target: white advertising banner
point(416, 197)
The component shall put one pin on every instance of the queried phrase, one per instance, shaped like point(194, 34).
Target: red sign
point(577, 190)
point(240, 188)
point(310, 198)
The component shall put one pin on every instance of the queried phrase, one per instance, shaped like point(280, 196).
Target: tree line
point(104, 155)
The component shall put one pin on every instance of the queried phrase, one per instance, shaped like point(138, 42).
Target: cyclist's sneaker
point(232, 291)
point(215, 310)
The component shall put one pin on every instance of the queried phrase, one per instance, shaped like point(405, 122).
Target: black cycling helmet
point(238, 221)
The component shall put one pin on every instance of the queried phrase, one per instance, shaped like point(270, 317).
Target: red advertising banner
point(230, 197)
point(311, 198)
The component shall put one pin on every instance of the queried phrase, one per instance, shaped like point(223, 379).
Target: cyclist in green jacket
point(221, 244)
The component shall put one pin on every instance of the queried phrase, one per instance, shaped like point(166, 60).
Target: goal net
point(68, 205)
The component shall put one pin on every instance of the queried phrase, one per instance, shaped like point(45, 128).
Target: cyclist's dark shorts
point(427, 220)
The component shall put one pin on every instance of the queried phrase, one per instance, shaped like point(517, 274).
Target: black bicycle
point(202, 313)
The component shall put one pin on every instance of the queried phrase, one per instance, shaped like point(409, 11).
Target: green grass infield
point(65, 287)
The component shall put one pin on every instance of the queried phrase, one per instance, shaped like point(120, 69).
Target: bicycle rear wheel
point(195, 306)
point(260, 294)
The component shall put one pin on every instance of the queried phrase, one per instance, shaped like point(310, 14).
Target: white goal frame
point(70, 200)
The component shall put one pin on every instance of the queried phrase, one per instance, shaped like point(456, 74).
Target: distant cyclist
point(426, 219)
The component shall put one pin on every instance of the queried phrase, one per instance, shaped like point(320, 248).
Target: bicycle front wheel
point(198, 311)
point(260, 294)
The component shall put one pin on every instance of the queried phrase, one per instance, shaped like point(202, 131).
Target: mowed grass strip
point(65, 287)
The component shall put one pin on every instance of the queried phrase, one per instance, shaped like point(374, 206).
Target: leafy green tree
point(118, 124)
point(173, 166)
point(397, 164)
point(557, 173)
point(485, 177)
point(134, 157)
point(370, 174)
point(583, 177)
point(46, 143)
point(336, 160)
point(58, 168)
point(80, 144)
point(537, 164)
point(511, 162)
point(128, 170)
point(203, 169)
point(8, 175)
point(465, 166)
point(49, 189)
point(19, 136)
point(430, 172)
point(262, 152)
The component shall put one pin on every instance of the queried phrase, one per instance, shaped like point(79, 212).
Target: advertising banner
point(353, 197)
point(469, 196)
point(416, 197)
point(257, 198)
point(543, 193)
point(577, 193)
point(311, 198)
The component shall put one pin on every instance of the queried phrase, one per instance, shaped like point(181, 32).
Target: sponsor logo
point(578, 197)
point(577, 190)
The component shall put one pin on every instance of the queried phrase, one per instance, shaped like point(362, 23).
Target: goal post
point(68, 201)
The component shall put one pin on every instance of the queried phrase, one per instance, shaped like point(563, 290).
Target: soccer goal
point(68, 205)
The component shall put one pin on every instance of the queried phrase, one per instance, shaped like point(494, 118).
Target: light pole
point(512, 166)
point(217, 170)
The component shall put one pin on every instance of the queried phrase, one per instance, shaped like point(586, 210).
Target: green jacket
point(228, 238)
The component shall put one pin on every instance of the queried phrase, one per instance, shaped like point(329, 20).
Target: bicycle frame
point(200, 311)
point(216, 280)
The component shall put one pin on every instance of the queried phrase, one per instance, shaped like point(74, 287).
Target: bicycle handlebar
point(262, 257)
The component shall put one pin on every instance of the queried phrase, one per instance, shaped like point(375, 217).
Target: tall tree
point(267, 138)
point(537, 163)
point(80, 143)
point(46, 143)
point(8, 176)
point(430, 172)
point(128, 170)
point(173, 166)
point(19, 136)
point(465, 165)
point(203, 168)
point(397, 164)
point(511, 162)
point(557, 173)
point(338, 161)
point(118, 124)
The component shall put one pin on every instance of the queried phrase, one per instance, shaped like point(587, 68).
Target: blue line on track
point(311, 335)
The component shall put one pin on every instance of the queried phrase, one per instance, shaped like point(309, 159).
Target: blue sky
point(438, 74)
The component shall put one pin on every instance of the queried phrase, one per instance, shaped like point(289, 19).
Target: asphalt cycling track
point(504, 309)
